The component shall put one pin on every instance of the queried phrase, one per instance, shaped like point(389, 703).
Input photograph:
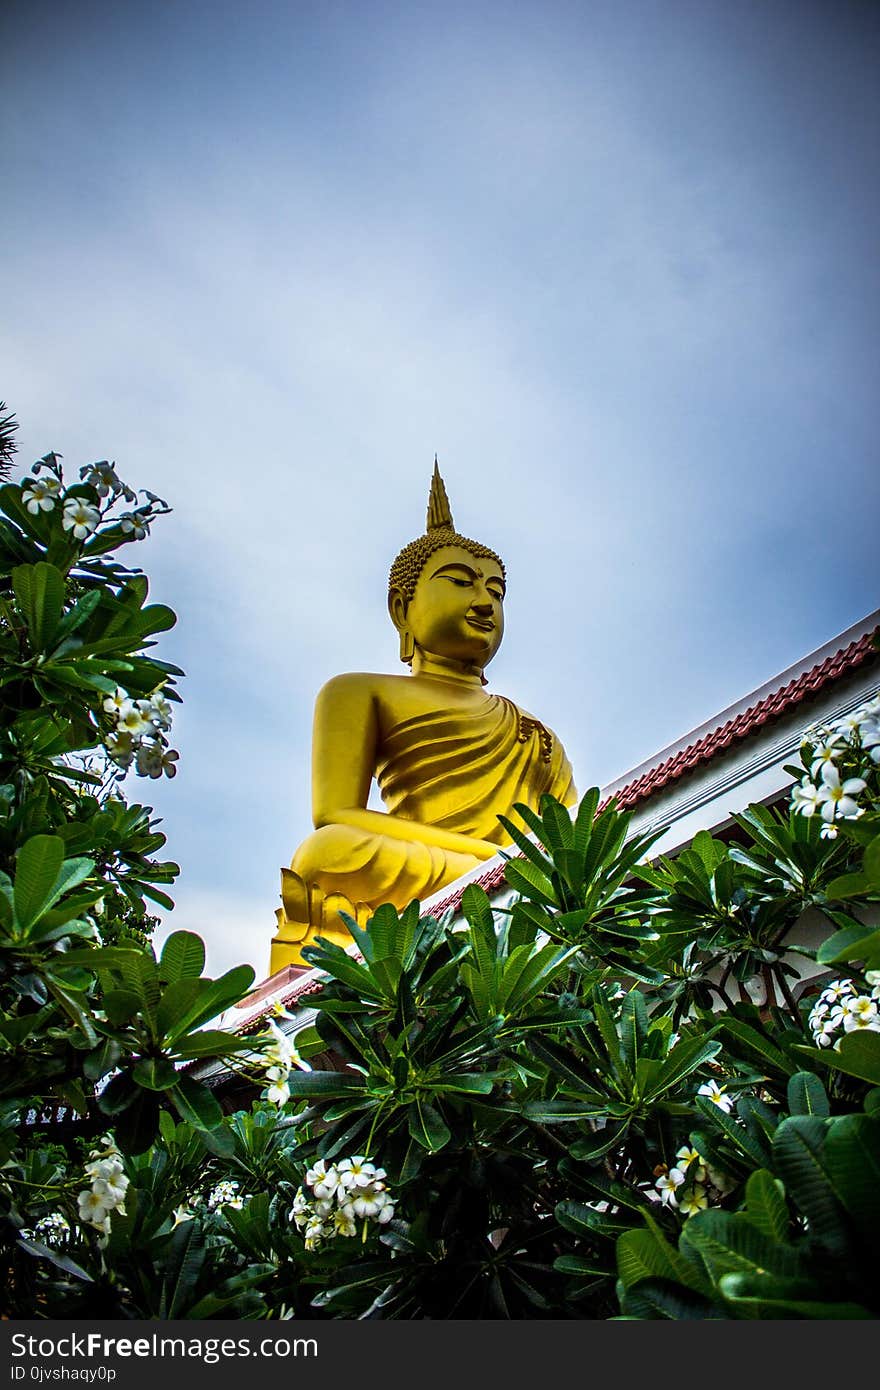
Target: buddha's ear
point(397, 606)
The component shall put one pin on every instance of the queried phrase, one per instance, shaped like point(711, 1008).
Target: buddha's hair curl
point(413, 557)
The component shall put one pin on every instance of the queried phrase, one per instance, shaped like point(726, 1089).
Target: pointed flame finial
point(439, 514)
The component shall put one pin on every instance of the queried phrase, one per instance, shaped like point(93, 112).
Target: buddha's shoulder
point(353, 684)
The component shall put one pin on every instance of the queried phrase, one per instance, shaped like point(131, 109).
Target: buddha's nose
point(482, 606)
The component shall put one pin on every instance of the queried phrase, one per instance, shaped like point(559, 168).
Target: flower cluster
point(225, 1194)
point(691, 1184)
point(841, 1009)
point(53, 1230)
point(841, 762)
point(279, 1056)
point(79, 513)
point(341, 1194)
point(108, 1187)
point(139, 734)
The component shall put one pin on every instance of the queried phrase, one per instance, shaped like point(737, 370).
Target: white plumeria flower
point(685, 1156)
point(828, 831)
point(356, 1171)
point(169, 759)
point(344, 1222)
point(301, 1210)
point(161, 710)
point(837, 990)
point(104, 1166)
point(838, 797)
point(860, 1012)
point(316, 1173)
point(120, 748)
point(314, 1234)
point(386, 1208)
point(666, 1185)
point(853, 724)
point(115, 702)
point(80, 517)
point(92, 1206)
point(367, 1203)
point(42, 495)
point(326, 1187)
point(112, 1188)
point(825, 752)
point(694, 1201)
point(717, 1094)
point(149, 760)
point(182, 1214)
point(152, 760)
point(135, 524)
point(823, 1035)
point(131, 720)
point(278, 1093)
point(281, 1049)
point(806, 798)
point(102, 477)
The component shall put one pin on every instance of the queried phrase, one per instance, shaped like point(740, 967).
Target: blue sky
point(615, 262)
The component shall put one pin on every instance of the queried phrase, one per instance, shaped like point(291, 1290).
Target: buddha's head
point(446, 592)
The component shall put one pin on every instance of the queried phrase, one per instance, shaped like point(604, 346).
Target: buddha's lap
point(373, 868)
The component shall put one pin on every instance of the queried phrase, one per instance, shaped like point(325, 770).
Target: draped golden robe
point(452, 768)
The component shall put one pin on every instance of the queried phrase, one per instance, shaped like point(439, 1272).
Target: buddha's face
point(457, 610)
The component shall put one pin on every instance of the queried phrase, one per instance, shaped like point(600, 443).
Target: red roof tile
point(755, 717)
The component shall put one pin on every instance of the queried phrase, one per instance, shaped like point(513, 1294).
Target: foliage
point(626, 1094)
point(93, 1028)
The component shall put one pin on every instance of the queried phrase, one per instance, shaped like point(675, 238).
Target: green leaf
point(727, 1245)
point(646, 1254)
point(806, 1095)
point(858, 1054)
point(36, 873)
point(852, 943)
point(183, 957)
point(427, 1126)
point(852, 1160)
point(685, 1058)
point(799, 1160)
point(660, 1298)
point(39, 590)
point(195, 1103)
point(765, 1205)
point(62, 1262)
point(766, 1296)
point(188, 1255)
point(211, 1042)
point(155, 1073)
point(756, 1046)
point(527, 879)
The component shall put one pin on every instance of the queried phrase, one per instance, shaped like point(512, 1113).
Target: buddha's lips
point(484, 624)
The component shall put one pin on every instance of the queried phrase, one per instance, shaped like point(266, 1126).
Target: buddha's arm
point(344, 752)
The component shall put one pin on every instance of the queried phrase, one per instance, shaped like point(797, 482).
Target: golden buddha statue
point(447, 755)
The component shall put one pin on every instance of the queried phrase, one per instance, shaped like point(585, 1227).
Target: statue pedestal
point(305, 914)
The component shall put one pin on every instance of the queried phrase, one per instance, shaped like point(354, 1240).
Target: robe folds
point(453, 768)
